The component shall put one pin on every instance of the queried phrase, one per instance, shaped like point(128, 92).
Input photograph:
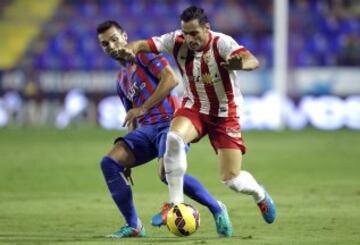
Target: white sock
point(246, 183)
point(175, 166)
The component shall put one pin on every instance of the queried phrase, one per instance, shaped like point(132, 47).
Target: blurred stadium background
point(53, 72)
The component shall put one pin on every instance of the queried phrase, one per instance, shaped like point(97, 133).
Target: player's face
point(196, 35)
point(112, 39)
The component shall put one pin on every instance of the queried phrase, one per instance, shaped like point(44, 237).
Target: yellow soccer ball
point(183, 219)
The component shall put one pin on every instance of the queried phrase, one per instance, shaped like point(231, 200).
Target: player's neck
point(207, 43)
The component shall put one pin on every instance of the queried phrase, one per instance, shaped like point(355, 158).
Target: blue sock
point(196, 191)
point(119, 189)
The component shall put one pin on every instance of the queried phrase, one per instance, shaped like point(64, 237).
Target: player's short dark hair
point(104, 26)
point(194, 13)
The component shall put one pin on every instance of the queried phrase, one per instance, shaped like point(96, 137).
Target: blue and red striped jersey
point(136, 82)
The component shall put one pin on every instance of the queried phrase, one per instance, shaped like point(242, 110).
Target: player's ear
point(125, 36)
point(207, 26)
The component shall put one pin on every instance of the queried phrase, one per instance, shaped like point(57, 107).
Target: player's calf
point(120, 189)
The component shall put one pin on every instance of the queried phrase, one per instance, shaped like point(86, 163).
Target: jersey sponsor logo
point(234, 133)
point(135, 90)
point(206, 79)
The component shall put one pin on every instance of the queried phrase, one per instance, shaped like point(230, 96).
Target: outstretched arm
point(167, 81)
point(139, 46)
point(129, 52)
point(241, 61)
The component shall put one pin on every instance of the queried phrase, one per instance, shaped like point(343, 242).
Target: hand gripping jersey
point(209, 88)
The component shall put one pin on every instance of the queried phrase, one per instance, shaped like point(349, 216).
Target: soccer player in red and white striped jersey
point(209, 85)
point(208, 62)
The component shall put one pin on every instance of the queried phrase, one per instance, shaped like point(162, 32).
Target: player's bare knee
point(122, 154)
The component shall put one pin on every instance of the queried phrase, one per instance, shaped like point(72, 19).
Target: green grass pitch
point(52, 190)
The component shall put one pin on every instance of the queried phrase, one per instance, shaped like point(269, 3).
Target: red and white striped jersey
point(209, 88)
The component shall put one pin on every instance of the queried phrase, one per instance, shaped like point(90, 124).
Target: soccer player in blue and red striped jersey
point(145, 88)
point(137, 83)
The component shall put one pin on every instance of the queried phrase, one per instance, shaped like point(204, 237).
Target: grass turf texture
point(52, 190)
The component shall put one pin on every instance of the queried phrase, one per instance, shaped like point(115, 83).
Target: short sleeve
point(164, 43)
point(228, 46)
point(154, 63)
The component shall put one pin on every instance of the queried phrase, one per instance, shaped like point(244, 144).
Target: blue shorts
point(147, 143)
